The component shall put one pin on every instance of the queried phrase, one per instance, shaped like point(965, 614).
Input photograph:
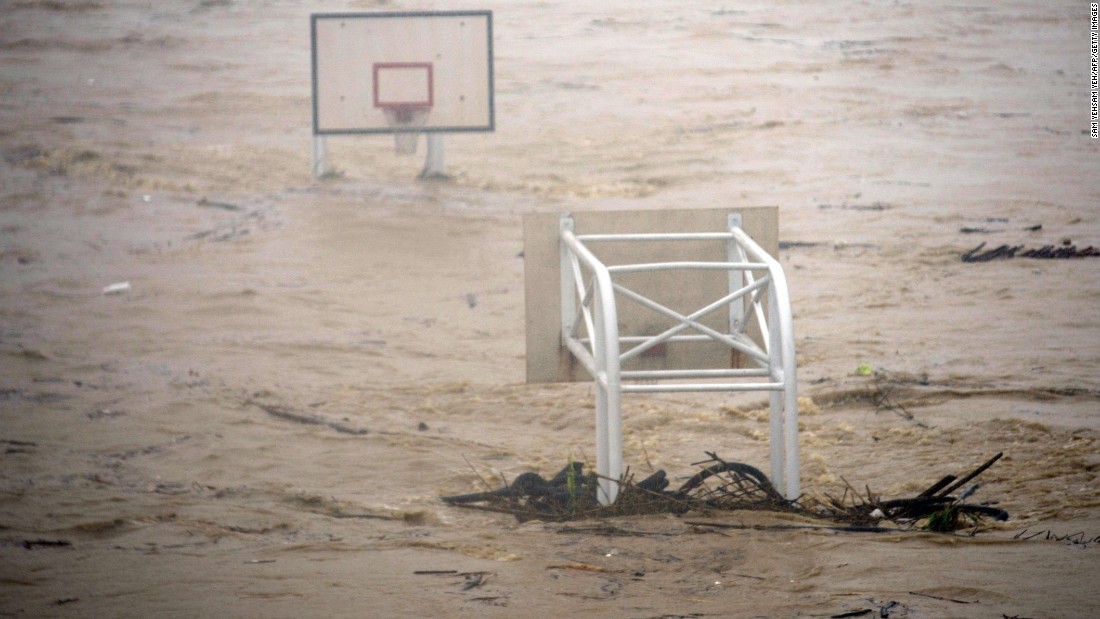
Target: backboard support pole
point(733, 254)
point(319, 156)
point(433, 162)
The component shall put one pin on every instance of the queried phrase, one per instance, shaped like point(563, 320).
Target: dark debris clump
point(571, 494)
point(720, 485)
point(1047, 252)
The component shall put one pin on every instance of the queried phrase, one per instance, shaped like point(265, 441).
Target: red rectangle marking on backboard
point(408, 84)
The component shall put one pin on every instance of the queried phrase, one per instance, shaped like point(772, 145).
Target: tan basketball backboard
point(548, 360)
point(410, 71)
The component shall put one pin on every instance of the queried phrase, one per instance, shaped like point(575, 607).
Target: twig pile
point(571, 495)
point(941, 511)
point(725, 486)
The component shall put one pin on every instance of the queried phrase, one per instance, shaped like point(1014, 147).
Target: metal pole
point(568, 303)
point(609, 432)
point(433, 162)
point(737, 278)
point(776, 399)
point(318, 156)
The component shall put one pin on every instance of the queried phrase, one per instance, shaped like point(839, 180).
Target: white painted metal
point(659, 236)
point(737, 310)
point(668, 266)
point(588, 295)
point(433, 162)
point(318, 156)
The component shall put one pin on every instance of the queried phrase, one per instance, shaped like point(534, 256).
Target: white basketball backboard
point(390, 72)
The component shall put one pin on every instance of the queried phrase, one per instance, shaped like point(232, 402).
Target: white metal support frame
point(590, 330)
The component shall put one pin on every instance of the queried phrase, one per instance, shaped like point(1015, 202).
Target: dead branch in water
point(287, 414)
point(722, 486)
point(935, 506)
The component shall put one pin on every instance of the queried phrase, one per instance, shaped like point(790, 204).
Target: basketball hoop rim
point(416, 117)
point(397, 107)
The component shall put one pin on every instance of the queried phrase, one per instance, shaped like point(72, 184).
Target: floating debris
point(45, 543)
point(1047, 252)
point(282, 412)
point(935, 507)
point(721, 485)
point(571, 494)
point(225, 206)
point(873, 206)
point(118, 288)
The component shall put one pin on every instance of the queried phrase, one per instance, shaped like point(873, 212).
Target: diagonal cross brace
point(691, 321)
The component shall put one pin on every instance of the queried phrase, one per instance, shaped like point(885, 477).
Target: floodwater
point(262, 424)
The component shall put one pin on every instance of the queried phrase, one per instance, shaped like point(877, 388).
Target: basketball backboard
point(394, 72)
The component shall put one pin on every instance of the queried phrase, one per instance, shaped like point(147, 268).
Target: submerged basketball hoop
point(405, 73)
point(405, 92)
